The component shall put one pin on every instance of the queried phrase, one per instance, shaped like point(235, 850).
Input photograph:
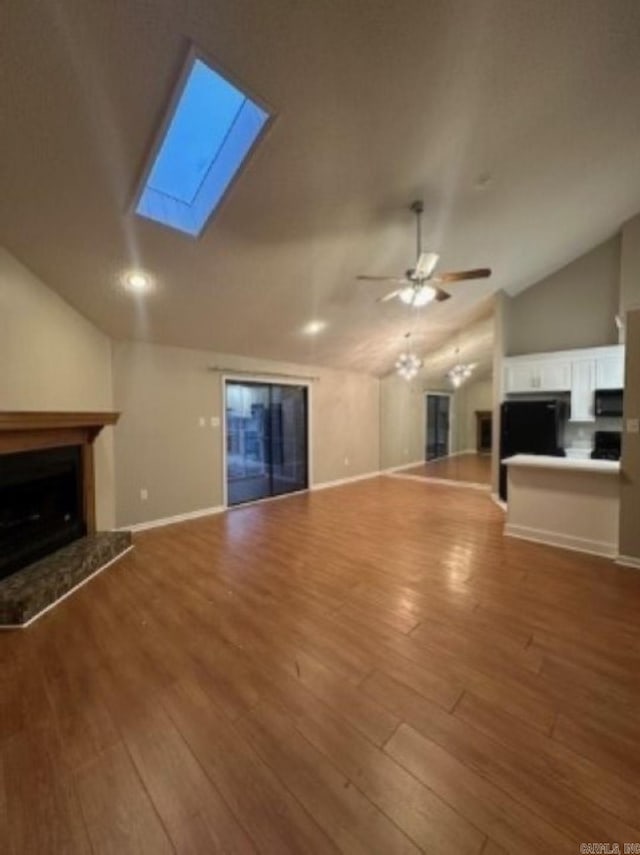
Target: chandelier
point(459, 373)
point(408, 365)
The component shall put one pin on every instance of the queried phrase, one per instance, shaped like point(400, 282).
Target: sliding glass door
point(266, 440)
point(438, 418)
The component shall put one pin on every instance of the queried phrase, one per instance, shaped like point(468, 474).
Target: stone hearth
point(32, 590)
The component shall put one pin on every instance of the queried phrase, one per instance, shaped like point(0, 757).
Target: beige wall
point(402, 422)
point(630, 267)
point(574, 307)
point(499, 342)
point(51, 358)
point(630, 464)
point(163, 392)
point(403, 417)
point(472, 396)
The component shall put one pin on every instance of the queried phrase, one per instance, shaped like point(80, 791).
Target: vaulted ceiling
point(518, 122)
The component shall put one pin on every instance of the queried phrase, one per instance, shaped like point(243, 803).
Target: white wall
point(51, 358)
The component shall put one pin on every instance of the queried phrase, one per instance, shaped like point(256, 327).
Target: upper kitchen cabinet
point(524, 374)
point(583, 386)
point(610, 370)
point(579, 372)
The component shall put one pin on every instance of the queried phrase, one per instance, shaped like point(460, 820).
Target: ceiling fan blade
point(397, 279)
point(389, 296)
point(425, 265)
point(441, 295)
point(460, 275)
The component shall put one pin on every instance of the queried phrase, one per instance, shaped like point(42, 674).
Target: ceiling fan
point(419, 286)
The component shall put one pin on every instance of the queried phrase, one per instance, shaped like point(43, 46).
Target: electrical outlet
point(144, 494)
point(346, 461)
point(215, 422)
point(202, 421)
point(633, 425)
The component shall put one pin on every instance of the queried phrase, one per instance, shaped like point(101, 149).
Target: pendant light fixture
point(460, 372)
point(408, 364)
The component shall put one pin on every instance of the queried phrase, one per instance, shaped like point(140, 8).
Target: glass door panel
point(266, 440)
point(438, 416)
point(248, 453)
point(288, 438)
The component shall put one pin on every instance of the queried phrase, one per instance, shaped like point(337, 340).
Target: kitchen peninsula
point(562, 501)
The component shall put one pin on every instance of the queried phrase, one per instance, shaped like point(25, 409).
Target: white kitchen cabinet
point(583, 385)
point(537, 375)
point(579, 372)
point(555, 375)
point(521, 377)
point(610, 370)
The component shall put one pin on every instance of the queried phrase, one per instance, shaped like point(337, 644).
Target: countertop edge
point(564, 464)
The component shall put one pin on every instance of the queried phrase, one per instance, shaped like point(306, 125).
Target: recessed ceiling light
point(137, 281)
point(314, 327)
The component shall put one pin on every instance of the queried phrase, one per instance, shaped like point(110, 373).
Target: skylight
point(211, 132)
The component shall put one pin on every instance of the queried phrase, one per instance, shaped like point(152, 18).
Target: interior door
point(266, 440)
point(438, 421)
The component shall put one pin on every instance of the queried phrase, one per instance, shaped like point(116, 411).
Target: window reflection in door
point(266, 440)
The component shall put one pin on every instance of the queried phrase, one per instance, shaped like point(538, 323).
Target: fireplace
point(47, 485)
point(41, 504)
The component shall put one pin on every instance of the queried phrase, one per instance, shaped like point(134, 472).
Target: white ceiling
point(378, 103)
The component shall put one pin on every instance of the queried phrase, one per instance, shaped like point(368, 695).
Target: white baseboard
point(628, 561)
point(553, 538)
point(400, 468)
point(219, 509)
point(453, 454)
point(495, 497)
point(323, 485)
point(68, 593)
point(446, 482)
point(178, 518)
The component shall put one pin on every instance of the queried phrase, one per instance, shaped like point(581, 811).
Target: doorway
point(438, 425)
point(266, 440)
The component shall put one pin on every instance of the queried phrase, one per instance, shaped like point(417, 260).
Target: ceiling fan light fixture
point(407, 295)
point(423, 296)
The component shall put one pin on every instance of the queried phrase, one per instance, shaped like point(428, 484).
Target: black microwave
point(608, 402)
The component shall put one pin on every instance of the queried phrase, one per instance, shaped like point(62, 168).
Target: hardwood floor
point(462, 467)
point(371, 668)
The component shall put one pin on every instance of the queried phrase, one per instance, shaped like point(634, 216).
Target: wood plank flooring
point(370, 668)
point(470, 467)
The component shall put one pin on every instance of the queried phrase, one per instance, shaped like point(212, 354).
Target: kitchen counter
point(562, 501)
point(577, 464)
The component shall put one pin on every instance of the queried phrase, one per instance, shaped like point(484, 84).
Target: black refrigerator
point(530, 427)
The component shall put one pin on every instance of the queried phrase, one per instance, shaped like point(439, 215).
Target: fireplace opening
point(41, 504)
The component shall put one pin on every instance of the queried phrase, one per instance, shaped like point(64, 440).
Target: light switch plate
point(202, 421)
point(215, 422)
point(633, 425)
